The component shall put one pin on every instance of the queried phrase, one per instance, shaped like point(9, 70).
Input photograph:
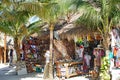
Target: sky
point(33, 19)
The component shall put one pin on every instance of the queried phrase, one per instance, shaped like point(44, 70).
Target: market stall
point(75, 52)
point(86, 42)
point(34, 52)
point(34, 49)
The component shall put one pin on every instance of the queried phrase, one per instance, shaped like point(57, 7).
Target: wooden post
point(5, 47)
point(67, 70)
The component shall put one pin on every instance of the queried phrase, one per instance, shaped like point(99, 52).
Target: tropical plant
point(50, 16)
point(13, 22)
point(49, 11)
point(66, 10)
point(99, 15)
point(104, 69)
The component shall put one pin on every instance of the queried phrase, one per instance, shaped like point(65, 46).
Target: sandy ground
point(7, 73)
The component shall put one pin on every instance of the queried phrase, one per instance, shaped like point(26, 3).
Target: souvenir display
point(34, 49)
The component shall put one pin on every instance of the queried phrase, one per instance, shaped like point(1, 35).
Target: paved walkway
point(7, 73)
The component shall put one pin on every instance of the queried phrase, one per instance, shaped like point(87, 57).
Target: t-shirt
point(47, 55)
point(80, 52)
point(115, 51)
point(118, 55)
point(87, 58)
point(110, 54)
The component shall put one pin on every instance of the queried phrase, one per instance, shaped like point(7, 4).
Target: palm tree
point(100, 15)
point(50, 16)
point(13, 23)
point(53, 11)
point(49, 11)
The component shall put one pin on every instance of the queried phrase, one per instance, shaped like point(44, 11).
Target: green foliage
point(98, 13)
point(104, 70)
point(13, 20)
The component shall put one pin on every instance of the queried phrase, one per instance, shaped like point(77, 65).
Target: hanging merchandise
point(98, 52)
point(79, 41)
point(113, 37)
point(118, 58)
point(34, 53)
point(118, 37)
point(97, 36)
point(89, 37)
point(85, 42)
point(115, 50)
point(79, 51)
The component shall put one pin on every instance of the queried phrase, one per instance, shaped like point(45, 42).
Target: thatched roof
point(76, 31)
point(68, 31)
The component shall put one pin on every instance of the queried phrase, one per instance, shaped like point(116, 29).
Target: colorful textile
point(110, 56)
point(115, 51)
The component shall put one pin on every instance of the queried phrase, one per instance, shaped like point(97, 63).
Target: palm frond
point(46, 10)
point(34, 27)
point(116, 20)
point(12, 20)
point(5, 29)
point(65, 6)
point(98, 16)
point(90, 16)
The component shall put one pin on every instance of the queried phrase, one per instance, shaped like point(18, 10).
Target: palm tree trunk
point(106, 41)
point(17, 48)
point(51, 52)
point(106, 37)
point(104, 71)
point(5, 48)
point(48, 71)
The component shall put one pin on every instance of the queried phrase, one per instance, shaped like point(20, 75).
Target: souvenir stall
point(34, 52)
point(68, 66)
point(84, 52)
point(85, 47)
point(34, 49)
point(81, 63)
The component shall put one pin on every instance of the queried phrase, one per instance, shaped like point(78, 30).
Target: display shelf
point(68, 69)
